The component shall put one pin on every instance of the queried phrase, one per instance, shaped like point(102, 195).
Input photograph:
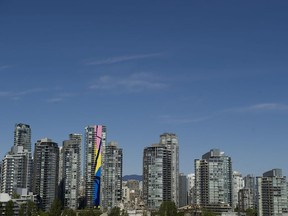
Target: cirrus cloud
point(119, 59)
point(260, 107)
point(133, 82)
point(268, 106)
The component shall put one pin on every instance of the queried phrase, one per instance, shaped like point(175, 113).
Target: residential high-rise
point(61, 179)
point(134, 192)
point(45, 174)
point(272, 194)
point(156, 175)
point(61, 166)
point(170, 140)
point(95, 142)
point(245, 200)
point(250, 182)
point(237, 184)
point(16, 170)
point(183, 190)
point(111, 194)
point(126, 195)
point(72, 170)
point(191, 188)
point(22, 136)
point(247, 195)
point(213, 180)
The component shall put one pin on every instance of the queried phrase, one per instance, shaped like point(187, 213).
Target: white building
point(23, 199)
point(125, 194)
point(191, 188)
point(245, 199)
point(247, 195)
point(272, 194)
point(237, 184)
point(61, 167)
point(16, 170)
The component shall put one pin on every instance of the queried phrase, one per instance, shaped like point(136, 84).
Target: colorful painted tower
point(95, 142)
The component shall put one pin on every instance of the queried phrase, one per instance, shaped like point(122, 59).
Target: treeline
point(56, 209)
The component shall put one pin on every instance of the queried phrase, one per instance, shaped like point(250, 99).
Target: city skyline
point(57, 171)
point(214, 73)
point(61, 145)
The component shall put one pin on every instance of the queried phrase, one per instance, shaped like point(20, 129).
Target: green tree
point(154, 213)
point(56, 208)
point(15, 195)
point(251, 212)
point(9, 208)
point(89, 212)
point(206, 212)
point(28, 209)
point(41, 213)
point(167, 208)
point(31, 209)
point(124, 213)
point(114, 212)
point(22, 209)
point(68, 212)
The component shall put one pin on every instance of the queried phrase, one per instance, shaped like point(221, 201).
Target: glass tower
point(45, 173)
point(272, 194)
point(156, 175)
point(72, 170)
point(213, 179)
point(170, 141)
point(111, 194)
point(22, 136)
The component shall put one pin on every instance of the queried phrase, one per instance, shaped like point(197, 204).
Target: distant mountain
point(132, 177)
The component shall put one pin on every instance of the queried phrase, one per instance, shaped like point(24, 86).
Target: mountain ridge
point(132, 177)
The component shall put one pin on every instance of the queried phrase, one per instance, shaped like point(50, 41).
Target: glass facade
point(272, 194)
point(111, 194)
point(22, 136)
point(213, 180)
point(156, 176)
point(72, 170)
point(46, 167)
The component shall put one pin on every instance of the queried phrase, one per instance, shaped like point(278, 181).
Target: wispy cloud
point(14, 94)
point(252, 108)
point(54, 95)
point(3, 67)
point(118, 59)
point(54, 100)
point(261, 107)
point(61, 97)
point(269, 106)
point(5, 94)
point(133, 82)
point(182, 120)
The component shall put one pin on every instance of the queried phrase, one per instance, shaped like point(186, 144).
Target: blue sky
point(213, 72)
